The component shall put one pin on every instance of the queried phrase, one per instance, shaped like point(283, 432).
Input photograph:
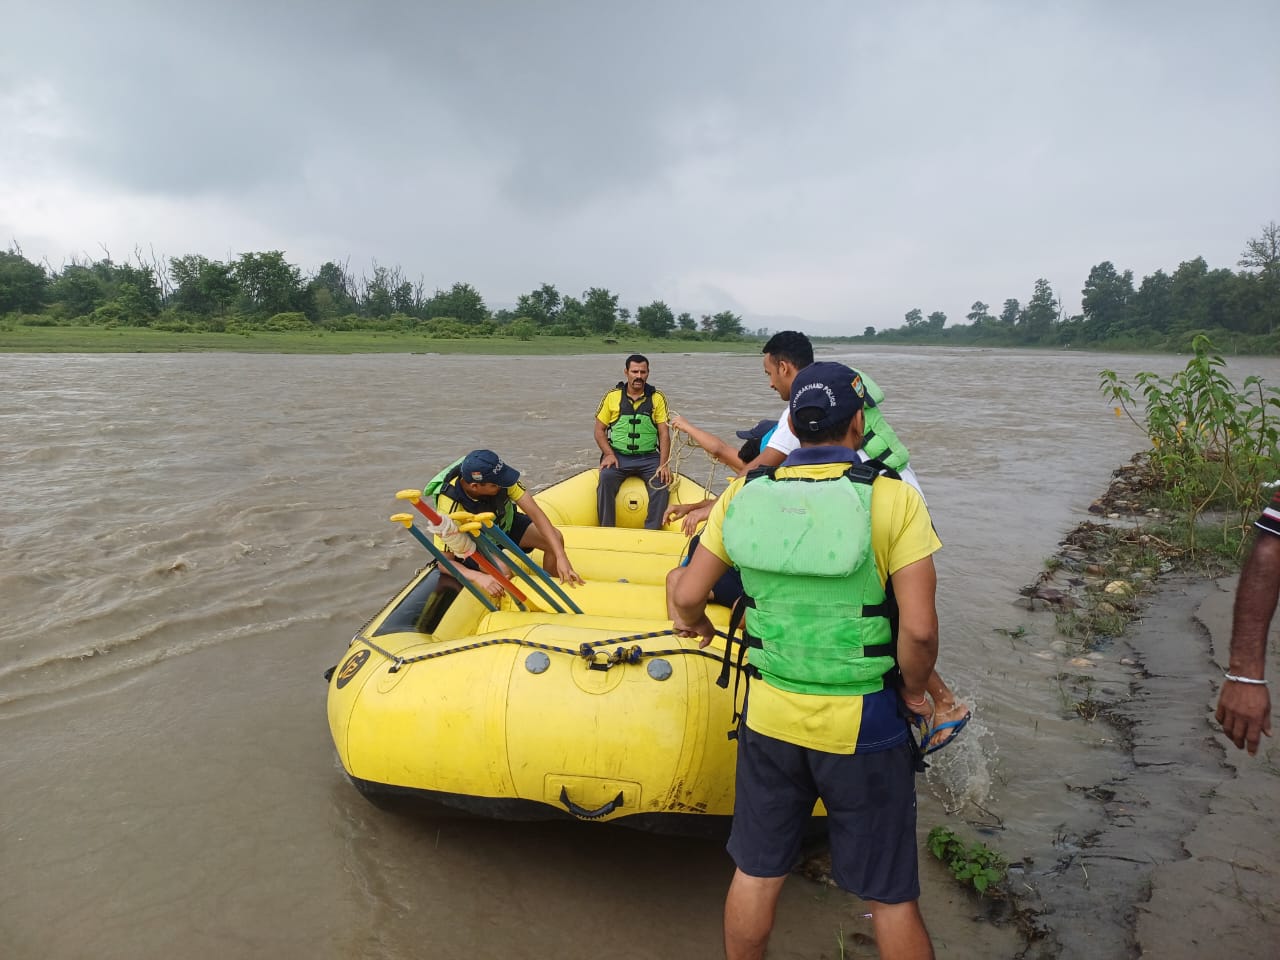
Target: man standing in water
point(786, 355)
point(1244, 706)
point(817, 545)
point(635, 441)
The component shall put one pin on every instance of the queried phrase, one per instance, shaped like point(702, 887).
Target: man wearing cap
point(634, 440)
point(786, 354)
point(481, 482)
point(817, 544)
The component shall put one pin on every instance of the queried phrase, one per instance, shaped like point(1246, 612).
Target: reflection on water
point(186, 543)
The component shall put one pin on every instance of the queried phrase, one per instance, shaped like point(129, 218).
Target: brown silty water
point(188, 541)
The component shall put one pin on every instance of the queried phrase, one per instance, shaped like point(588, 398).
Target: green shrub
point(288, 321)
point(109, 315)
point(975, 864)
point(1213, 444)
point(34, 319)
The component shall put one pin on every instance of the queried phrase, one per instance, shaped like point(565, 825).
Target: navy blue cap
point(485, 466)
point(827, 393)
point(757, 432)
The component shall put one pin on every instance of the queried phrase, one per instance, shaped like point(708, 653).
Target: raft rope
point(587, 651)
point(680, 448)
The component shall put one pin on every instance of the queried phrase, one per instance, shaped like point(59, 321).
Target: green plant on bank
point(973, 863)
point(1213, 445)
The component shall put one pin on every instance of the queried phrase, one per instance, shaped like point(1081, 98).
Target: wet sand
point(1220, 894)
point(1181, 857)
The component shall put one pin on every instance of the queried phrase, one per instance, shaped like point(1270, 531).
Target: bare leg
point(900, 931)
point(748, 915)
point(533, 540)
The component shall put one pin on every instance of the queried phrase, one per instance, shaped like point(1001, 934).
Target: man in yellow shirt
point(634, 439)
point(843, 638)
point(482, 482)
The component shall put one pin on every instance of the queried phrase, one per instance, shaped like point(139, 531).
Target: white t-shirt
point(784, 441)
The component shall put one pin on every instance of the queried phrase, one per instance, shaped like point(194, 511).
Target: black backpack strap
point(882, 469)
point(737, 618)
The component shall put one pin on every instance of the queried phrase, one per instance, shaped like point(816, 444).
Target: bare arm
point(608, 457)
point(690, 596)
point(1244, 709)
point(709, 442)
point(915, 586)
point(555, 540)
point(664, 451)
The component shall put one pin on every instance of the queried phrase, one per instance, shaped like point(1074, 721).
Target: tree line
point(194, 293)
point(1164, 311)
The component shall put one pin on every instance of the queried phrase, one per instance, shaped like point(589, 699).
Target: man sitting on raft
point(481, 482)
point(634, 440)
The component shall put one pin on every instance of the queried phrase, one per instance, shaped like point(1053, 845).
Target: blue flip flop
point(953, 728)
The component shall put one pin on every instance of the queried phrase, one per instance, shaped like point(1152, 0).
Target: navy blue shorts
point(520, 525)
point(871, 814)
point(727, 590)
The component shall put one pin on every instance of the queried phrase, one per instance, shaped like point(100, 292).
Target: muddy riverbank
point(1179, 859)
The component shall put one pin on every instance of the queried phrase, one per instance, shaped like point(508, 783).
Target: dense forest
point(264, 291)
point(1238, 310)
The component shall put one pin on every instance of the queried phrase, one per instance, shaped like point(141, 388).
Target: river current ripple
point(187, 542)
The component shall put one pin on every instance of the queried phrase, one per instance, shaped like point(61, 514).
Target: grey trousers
point(611, 480)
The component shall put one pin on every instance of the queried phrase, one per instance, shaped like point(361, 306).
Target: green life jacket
point(446, 482)
point(879, 441)
point(634, 433)
point(822, 619)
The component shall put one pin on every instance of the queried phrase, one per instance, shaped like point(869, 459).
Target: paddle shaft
point(457, 574)
point(483, 561)
point(486, 545)
point(503, 537)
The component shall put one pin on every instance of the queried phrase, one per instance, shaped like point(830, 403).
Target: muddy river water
point(188, 541)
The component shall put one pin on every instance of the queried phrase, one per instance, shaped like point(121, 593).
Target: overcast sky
point(821, 165)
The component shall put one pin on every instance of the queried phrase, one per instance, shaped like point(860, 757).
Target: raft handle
point(582, 813)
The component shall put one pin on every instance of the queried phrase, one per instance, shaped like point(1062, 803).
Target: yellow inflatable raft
point(602, 715)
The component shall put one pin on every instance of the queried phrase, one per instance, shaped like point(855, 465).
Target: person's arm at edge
point(915, 587)
point(1244, 709)
point(542, 523)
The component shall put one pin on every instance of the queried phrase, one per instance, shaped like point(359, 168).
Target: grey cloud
point(955, 151)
